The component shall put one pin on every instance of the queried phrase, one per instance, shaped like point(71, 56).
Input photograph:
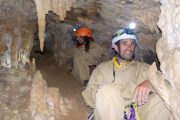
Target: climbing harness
point(131, 112)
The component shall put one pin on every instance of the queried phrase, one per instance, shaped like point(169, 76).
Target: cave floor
point(70, 88)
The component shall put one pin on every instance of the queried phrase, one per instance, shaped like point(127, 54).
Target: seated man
point(116, 84)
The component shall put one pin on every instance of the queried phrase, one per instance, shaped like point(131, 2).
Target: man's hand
point(141, 92)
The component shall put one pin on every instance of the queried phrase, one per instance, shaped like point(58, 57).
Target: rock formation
point(167, 82)
point(44, 101)
point(17, 25)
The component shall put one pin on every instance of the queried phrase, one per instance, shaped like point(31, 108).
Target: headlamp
point(128, 30)
point(124, 30)
point(132, 25)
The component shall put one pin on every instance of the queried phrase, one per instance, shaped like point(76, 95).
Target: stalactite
point(168, 51)
point(44, 6)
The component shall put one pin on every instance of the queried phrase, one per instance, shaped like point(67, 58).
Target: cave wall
point(17, 27)
point(167, 82)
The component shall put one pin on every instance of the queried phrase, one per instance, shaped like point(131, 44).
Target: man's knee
point(108, 90)
point(109, 103)
point(110, 93)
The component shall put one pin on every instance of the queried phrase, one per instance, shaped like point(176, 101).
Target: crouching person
point(86, 55)
point(119, 89)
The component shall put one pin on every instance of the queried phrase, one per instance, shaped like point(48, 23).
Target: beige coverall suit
point(110, 98)
point(82, 59)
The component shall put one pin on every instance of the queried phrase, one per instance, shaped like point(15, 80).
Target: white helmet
point(123, 33)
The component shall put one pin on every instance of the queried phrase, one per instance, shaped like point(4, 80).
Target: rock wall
point(17, 25)
point(167, 82)
point(15, 87)
point(16, 41)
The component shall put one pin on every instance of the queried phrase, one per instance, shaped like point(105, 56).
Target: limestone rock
point(14, 94)
point(44, 101)
point(168, 51)
point(53, 100)
point(38, 103)
point(16, 41)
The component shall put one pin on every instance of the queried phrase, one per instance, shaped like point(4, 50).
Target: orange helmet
point(84, 31)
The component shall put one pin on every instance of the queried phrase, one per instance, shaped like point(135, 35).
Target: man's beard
point(130, 58)
point(125, 58)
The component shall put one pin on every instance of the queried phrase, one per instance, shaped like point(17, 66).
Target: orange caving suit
point(110, 98)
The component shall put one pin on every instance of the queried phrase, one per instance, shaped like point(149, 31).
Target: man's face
point(126, 49)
